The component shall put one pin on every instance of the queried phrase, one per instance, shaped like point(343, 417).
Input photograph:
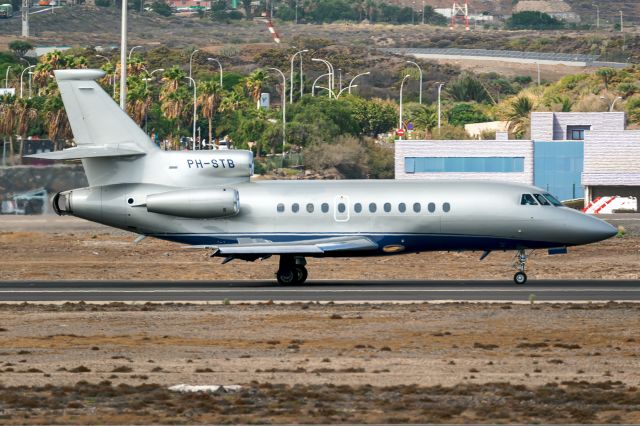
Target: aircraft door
point(341, 208)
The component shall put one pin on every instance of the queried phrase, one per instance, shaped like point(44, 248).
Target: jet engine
point(195, 203)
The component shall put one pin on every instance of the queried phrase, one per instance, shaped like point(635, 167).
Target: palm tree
point(25, 116)
point(254, 83)
point(519, 115)
point(138, 99)
point(56, 121)
point(8, 121)
point(172, 99)
point(210, 98)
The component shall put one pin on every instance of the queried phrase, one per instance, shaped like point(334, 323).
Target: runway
point(337, 291)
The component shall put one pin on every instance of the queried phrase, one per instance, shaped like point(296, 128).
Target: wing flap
point(318, 246)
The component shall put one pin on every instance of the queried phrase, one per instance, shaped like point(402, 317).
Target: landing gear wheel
point(520, 278)
point(287, 276)
point(302, 274)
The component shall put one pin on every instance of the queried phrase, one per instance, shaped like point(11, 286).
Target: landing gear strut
point(521, 259)
point(292, 270)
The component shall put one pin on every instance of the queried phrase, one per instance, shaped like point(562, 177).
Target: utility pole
point(597, 16)
point(621, 22)
point(25, 18)
point(123, 57)
point(439, 103)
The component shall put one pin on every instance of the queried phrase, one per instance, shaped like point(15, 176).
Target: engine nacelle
point(195, 203)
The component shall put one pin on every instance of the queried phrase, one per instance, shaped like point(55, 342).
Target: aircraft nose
point(597, 229)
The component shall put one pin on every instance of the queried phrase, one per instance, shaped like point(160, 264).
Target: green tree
point(210, 96)
point(530, 20)
point(606, 74)
point(20, 47)
point(519, 115)
point(466, 89)
point(161, 8)
point(465, 113)
point(422, 116)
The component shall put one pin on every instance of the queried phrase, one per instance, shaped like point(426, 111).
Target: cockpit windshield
point(553, 200)
point(528, 200)
point(542, 200)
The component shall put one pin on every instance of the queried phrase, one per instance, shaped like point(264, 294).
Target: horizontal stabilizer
point(90, 151)
point(318, 246)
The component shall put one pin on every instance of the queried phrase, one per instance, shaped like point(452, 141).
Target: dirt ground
point(54, 248)
point(337, 363)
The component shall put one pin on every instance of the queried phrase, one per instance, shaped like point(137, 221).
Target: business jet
point(206, 199)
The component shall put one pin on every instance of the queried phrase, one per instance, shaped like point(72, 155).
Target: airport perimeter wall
point(53, 178)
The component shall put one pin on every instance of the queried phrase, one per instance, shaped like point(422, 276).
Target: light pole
point(419, 69)
point(195, 117)
point(113, 77)
point(30, 79)
point(538, 67)
point(284, 109)
point(300, 52)
point(123, 57)
point(146, 80)
point(401, 87)
point(219, 66)
point(339, 79)
point(191, 63)
point(612, 104)
point(597, 16)
point(439, 103)
point(21, 75)
point(621, 23)
point(131, 51)
point(331, 73)
point(6, 77)
point(422, 12)
point(354, 79)
point(313, 86)
point(346, 88)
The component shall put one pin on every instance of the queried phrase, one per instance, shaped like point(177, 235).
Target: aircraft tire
point(520, 278)
point(302, 274)
point(287, 276)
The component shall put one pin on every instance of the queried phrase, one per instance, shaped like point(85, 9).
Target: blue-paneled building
point(571, 155)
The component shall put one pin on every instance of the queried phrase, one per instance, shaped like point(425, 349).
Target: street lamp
point(621, 23)
point(597, 16)
point(6, 77)
point(313, 86)
point(612, 104)
point(30, 79)
point(419, 69)
point(354, 79)
point(300, 52)
point(219, 65)
point(195, 117)
point(331, 73)
point(401, 86)
point(146, 80)
point(21, 75)
point(346, 88)
point(284, 109)
point(439, 104)
point(113, 77)
point(190, 64)
point(131, 51)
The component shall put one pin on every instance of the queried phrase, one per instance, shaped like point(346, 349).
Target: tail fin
point(96, 120)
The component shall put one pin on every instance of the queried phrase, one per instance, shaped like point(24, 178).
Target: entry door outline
point(344, 216)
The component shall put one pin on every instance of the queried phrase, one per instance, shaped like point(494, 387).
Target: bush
point(462, 114)
point(530, 20)
point(346, 156)
point(161, 8)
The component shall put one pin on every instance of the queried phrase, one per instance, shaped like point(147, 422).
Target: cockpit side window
point(542, 200)
point(528, 200)
point(553, 200)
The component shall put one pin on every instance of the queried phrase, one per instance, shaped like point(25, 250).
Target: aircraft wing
point(317, 246)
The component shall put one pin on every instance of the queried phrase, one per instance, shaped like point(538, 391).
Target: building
point(571, 155)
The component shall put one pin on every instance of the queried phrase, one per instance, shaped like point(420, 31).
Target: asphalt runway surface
point(337, 291)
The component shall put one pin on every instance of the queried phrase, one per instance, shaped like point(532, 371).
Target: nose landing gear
point(292, 270)
point(521, 259)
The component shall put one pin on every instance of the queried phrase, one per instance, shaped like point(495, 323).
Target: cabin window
point(280, 208)
point(341, 207)
point(431, 207)
point(295, 207)
point(402, 207)
point(553, 200)
point(528, 200)
point(387, 207)
point(542, 200)
point(357, 207)
point(324, 207)
point(446, 207)
point(310, 207)
point(373, 207)
point(416, 207)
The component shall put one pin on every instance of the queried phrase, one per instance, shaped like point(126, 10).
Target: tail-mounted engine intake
point(62, 203)
point(195, 203)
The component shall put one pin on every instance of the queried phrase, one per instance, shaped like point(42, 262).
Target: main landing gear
point(521, 259)
point(292, 270)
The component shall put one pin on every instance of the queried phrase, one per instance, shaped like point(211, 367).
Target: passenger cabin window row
point(539, 199)
point(372, 207)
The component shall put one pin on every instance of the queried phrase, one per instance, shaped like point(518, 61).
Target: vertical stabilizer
point(96, 120)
